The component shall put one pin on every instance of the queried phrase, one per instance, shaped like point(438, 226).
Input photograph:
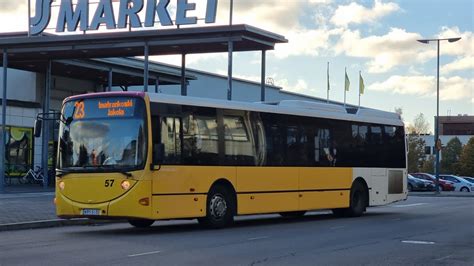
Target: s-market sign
point(71, 16)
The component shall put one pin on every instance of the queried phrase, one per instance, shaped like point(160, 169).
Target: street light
point(436, 138)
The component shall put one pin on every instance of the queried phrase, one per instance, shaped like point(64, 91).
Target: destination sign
point(103, 108)
point(73, 14)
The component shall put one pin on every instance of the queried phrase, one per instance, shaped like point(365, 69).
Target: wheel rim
point(464, 189)
point(218, 206)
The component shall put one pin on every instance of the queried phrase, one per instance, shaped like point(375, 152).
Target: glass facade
point(19, 150)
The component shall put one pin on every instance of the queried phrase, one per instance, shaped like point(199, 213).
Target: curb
point(53, 223)
point(442, 194)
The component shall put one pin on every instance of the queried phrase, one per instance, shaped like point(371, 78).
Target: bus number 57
point(109, 183)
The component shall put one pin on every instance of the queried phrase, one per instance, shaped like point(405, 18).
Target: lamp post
point(436, 137)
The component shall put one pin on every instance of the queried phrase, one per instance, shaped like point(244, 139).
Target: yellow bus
point(146, 157)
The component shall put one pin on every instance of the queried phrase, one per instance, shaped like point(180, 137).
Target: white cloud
point(463, 63)
point(284, 17)
point(463, 47)
point(13, 16)
point(387, 51)
point(305, 42)
point(275, 15)
point(8, 5)
point(301, 86)
point(399, 47)
point(320, 1)
point(452, 88)
point(357, 14)
point(455, 88)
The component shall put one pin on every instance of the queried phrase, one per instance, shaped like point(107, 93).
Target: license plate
point(90, 212)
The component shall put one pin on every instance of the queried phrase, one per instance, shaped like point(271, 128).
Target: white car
point(460, 184)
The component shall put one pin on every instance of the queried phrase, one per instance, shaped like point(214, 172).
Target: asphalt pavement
point(31, 206)
point(419, 231)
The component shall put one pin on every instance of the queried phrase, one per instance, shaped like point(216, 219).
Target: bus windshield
point(103, 134)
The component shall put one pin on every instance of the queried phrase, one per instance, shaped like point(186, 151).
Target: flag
point(361, 84)
point(347, 83)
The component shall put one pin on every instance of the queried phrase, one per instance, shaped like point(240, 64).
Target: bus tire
point(219, 208)
point(141, 223)
point(293, 214)
point(358, 200)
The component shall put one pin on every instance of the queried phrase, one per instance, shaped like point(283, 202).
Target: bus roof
point(291, 107)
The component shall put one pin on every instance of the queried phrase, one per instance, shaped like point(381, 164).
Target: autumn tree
point(466, 160)
point(416, 153)
point(399, 111)
point(419, 126)
point(450, 155)
point(428, 165)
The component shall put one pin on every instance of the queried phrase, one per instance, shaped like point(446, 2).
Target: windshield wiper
point(126, 174)
point(61, 173)
point(113, 169)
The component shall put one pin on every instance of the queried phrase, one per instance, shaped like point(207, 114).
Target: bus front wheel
point(220, 208)
point(141, 223)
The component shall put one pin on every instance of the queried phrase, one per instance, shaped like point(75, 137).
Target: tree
point(416, 153)
point(419, 126)
point(428, 165)
point(451, 153)
point(466, 160)
point(399, 111)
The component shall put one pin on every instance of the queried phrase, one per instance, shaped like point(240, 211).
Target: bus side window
point(326, 150)
point(170, 137)
point(376, 146)
point(239, 149)
point(317, 149)
point(258, 131)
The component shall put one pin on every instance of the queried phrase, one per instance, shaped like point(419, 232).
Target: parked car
point(444, 185)
point(469, 179)
point(460, 183)
point(417, 184)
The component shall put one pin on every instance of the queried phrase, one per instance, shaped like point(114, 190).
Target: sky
point(375, 37)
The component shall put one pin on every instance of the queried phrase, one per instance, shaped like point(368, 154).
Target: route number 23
point(80, 112)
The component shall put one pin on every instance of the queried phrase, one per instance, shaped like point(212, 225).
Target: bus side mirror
point(37, 129)
point(158, 153)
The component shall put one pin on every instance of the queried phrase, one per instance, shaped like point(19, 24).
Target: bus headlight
point(61, 185)
point(125, 184)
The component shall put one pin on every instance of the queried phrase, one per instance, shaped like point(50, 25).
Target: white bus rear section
point(385, 185)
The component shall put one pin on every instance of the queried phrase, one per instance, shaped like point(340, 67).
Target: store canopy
point(215, 39)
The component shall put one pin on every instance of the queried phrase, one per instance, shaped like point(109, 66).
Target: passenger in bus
point(331, 154)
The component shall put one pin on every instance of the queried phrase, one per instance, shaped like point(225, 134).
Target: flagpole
point(345, 75)
point(360, 77)
point(328, 83)
point(29, 18)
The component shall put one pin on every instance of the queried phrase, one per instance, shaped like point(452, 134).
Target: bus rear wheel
point(358, 202)
point(220, 208)
point(141, 223)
